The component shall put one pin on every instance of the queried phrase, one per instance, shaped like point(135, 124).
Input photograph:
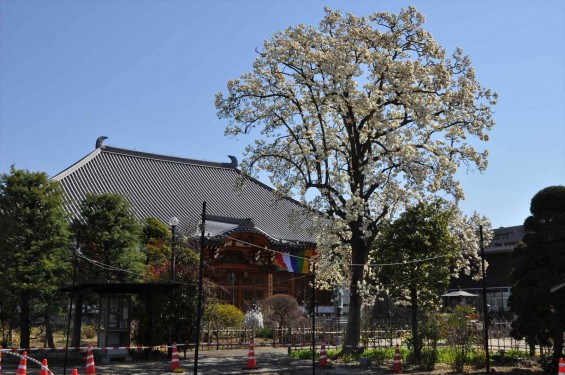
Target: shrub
point(303, 354)
point(378, 356)
point(264, 333)
point(460, 336)
point(224, 315)
point(282, 310)
point(88, 331)
point(478, 359)
point(444, 355)
point(429, 359)
point(546, 362)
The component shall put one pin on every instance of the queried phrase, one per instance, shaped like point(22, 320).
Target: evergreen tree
point(153, 326)
point(34, 245)
point(428, 248)
point(533, 313)
point(109, 237)
point(155, 240)
point(539, 265)
point(157, 313)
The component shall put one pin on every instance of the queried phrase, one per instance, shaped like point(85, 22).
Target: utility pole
point(200, 274)
point(485, 306)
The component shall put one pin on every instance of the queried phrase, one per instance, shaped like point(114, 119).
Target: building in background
point(498, 256)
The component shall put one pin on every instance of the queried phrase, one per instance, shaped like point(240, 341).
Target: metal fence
point(383, 333)
point(499, 337)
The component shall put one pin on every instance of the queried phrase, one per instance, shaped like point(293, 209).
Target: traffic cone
point(175, 363)
point(323, 360)
point(44, 369)
point(75, 372)
point(397, 363)
point(90, 368)
point(251, 362)
point(22, 368)
point(561, 369)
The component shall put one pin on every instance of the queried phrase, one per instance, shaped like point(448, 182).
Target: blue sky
point(144, 73)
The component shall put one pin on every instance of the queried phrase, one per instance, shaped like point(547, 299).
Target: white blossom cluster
point(466, 229)
point(359, 117)
point(253, 319)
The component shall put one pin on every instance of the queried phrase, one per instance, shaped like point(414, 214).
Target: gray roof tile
point(162, 186)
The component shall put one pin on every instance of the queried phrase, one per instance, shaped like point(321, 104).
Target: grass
point(445, 356)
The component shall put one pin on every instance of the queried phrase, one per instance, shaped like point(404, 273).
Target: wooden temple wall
point(243, 268)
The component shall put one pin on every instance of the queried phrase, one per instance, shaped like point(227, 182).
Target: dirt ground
point(441, 368)
point(509, 370)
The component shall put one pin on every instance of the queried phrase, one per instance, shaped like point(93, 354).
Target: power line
point(398, 263)
point(117, 269)
point(266, 248)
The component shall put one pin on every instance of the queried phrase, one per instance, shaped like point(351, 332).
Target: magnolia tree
point(358, 117)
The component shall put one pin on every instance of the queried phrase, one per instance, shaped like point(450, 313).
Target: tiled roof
point(162, 186)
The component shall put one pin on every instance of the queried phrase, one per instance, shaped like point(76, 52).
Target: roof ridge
point(149, 155)
point(65, 172)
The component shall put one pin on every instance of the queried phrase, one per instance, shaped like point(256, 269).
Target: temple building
point(257, 244)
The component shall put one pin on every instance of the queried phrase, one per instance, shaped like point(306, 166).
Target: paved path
point(269, 361)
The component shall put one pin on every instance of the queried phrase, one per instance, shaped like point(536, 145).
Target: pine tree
point(34, 245)
point(539, 265)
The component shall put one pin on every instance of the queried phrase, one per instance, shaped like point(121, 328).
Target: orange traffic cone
point(22, 368)
point(323, 359)
point(397, 363)
point(90, 368)
point(175, 363)
point(75, 372)
point(561, 369)
point(44, 369)
point(251, 362)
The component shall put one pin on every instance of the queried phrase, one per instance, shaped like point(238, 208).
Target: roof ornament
point(247, 223)
point(233, 159)
point(100, 142)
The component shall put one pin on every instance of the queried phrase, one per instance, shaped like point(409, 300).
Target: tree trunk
point(281, 329)
point(558, 337)
point(4, 338)
point(353, 334)
point(77, 321)
point(24, 322)
point(148, 334)
point(49, 341)
point(415, 331)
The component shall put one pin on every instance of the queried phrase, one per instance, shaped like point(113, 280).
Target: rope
point(11, 352)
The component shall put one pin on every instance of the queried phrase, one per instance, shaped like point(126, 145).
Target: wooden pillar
point(269, 285)
point(239, 291)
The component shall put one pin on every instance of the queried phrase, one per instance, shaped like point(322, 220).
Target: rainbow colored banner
point(292, 263)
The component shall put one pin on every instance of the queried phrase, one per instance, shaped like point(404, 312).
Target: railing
point(499, 337)
point(383, 333)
